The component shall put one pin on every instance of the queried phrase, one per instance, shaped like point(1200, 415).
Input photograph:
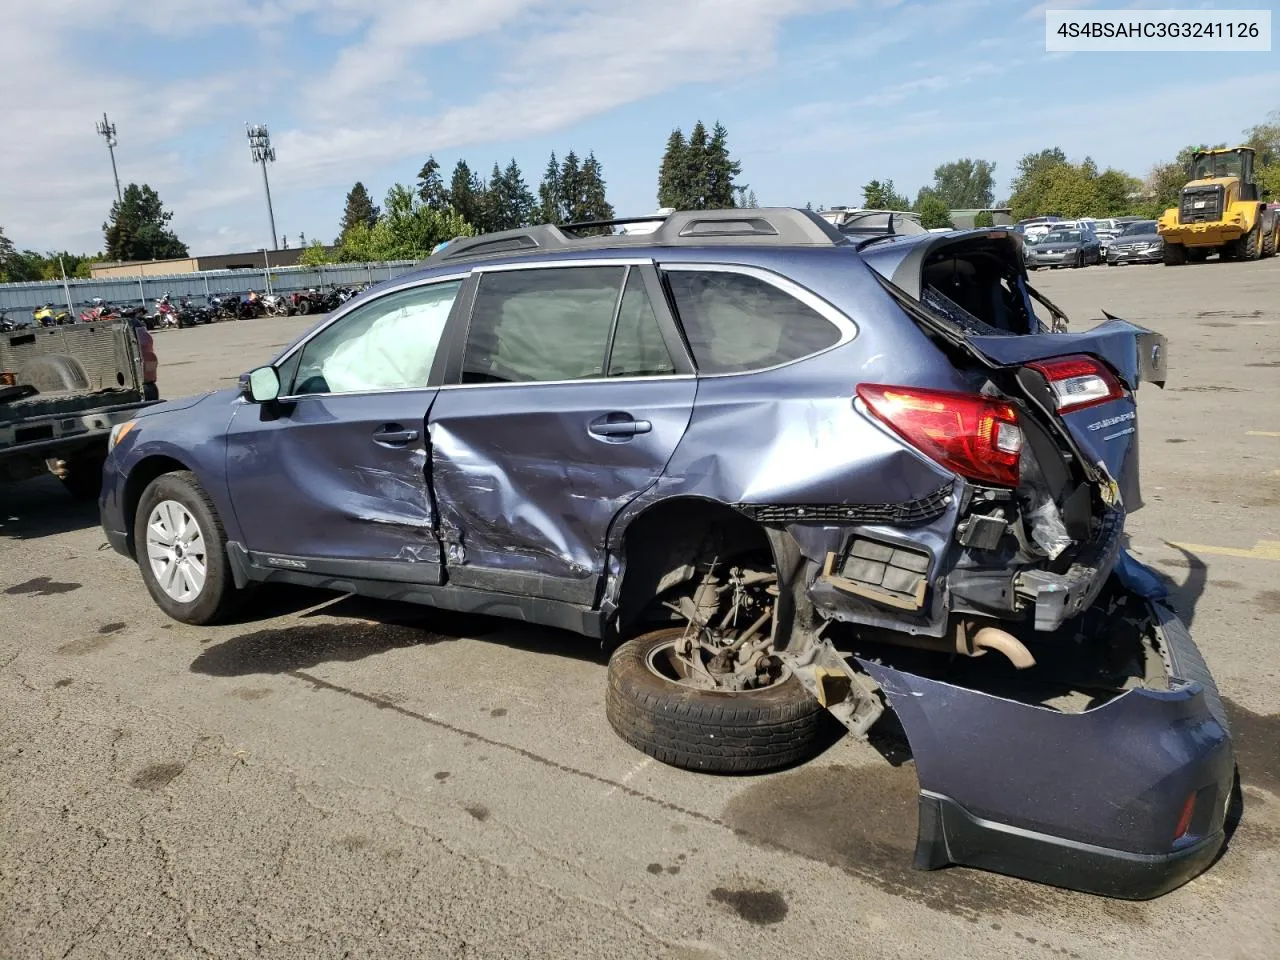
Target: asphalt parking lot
point(333, 777)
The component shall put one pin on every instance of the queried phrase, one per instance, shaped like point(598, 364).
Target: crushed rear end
point(1069, 732)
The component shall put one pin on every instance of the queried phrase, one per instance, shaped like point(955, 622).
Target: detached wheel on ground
point(748, 731)
point(181, 550)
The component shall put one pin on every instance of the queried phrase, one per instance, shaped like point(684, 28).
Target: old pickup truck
point(62, 389)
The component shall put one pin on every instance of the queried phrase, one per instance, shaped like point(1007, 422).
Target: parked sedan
point(1076, 247)
point(1139, 243)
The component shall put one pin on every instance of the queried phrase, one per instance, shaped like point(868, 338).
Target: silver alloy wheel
point(176, 551)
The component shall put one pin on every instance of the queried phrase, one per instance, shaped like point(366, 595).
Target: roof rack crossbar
point(733, 226)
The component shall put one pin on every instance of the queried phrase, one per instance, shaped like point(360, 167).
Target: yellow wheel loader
point(1220, 212)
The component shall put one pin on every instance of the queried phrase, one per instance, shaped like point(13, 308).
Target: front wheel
point(1175, 254)
point(181, 550)
point(1252, 248)
point(653, 706)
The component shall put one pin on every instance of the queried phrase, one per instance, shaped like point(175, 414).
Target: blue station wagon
point(783, 472)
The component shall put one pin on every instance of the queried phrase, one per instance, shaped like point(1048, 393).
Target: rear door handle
point(618, 426)
point(393, 436)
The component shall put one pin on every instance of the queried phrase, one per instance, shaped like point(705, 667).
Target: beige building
point(253, 260)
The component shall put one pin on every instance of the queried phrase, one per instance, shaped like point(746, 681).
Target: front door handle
point(618, 426)
point(393, 435)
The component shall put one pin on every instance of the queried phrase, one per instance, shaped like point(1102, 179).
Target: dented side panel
point(310, 480)
point(527, 478)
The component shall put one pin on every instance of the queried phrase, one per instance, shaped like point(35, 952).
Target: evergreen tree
point(549, 192)
point(138, 228)
point(933, 211)
point(360, 209)
point(720, 170)
point(672, 182)
point(595, 203)
point(510, 204)
point(746, 197)
point(466, 193)
point(881, 195)
point(695, 170)
point(572, 203)
point(431, 185)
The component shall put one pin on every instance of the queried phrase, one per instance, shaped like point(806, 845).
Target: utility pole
point(262, 152)
point(107, 131)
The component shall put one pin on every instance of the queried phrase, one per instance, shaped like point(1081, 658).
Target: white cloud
point(545, 66)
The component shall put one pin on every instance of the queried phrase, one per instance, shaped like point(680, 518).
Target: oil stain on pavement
point(761, 907)
point(41, 587)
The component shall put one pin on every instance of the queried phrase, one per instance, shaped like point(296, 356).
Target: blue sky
point(819, 96)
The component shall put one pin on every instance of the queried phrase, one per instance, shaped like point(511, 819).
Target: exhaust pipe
point(972, 639)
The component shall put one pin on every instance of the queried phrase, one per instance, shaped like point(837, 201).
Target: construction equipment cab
point(1220, 212)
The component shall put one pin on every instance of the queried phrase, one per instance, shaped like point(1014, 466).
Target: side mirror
point(261, 385)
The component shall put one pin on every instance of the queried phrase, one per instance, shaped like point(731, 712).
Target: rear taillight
point(1078, 381)
point(978, 437)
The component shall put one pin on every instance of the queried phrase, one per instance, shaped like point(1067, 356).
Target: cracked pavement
point(334, 777)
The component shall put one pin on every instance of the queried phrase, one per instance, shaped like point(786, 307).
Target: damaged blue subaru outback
point(785, 471)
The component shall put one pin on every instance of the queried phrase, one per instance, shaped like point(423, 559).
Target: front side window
point(387, 344)
point(736, 322)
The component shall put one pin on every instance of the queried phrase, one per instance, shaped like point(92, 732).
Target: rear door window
point(638, 348)
point(539, 325)
point(736, 322)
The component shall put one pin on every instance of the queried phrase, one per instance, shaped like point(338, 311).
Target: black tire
point(150, 392)
point(1252, 248)
point(304, 307)
point(713, 732)
point(1197, 255)
point(219, 596)
point(1269, 244)
point(1175, 254)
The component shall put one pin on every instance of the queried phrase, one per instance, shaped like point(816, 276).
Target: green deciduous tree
point(359, 209)
point(881, 195)
point(984, 219)
point(407, 230)
point(138, 228)
point(315, 254)
point(934, 212)
point(965, 183)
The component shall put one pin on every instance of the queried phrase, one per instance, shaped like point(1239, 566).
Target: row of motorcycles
point(186, 313)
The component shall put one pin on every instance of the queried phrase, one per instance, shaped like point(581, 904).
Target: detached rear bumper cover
point(1089, 801)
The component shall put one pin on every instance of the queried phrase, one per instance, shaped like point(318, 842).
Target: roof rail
point(772, 226)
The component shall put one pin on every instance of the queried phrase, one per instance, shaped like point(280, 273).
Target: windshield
point(1216, 165)
point(1142, 226)
point(1063, 236)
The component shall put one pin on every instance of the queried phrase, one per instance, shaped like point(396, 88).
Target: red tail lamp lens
point(1184, 821)
point(978, 437)
point(1079, 381)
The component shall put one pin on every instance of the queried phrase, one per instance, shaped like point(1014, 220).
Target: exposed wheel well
point(142, 474)
point(663, 546)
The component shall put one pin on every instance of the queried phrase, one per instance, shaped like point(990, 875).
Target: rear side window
point(736, 322)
